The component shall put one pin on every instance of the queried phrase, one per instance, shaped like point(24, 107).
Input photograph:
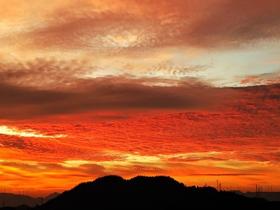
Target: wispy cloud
point(12, 131)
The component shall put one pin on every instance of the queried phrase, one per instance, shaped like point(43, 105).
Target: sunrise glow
point(184, 88)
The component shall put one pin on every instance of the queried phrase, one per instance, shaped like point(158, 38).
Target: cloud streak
point(5, 130)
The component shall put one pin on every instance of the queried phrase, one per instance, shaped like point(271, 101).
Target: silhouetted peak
point(109, 179)
point(156, 181)
point(166, 179)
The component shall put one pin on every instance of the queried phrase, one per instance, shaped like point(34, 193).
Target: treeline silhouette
point(149, 193)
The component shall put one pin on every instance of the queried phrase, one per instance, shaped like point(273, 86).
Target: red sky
point(185, 88)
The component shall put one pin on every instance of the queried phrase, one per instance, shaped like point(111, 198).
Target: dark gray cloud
point(48, 87)
point(43, 73)
point(115, 93)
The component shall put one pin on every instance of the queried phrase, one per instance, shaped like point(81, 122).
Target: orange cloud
point(262, 79)
point(102, 25)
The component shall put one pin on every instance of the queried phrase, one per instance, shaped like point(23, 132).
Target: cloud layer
point(112, 24)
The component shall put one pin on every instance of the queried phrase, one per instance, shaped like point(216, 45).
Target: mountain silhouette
point(157, 193)
point(148, 193)
point(13, 200)
point(24, 201)
point(270, 196)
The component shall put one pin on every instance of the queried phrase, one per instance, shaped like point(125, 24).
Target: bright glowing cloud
point(74, 163)
point(11, 131)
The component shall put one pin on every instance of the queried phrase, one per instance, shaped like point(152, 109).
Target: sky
point(183, 88)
